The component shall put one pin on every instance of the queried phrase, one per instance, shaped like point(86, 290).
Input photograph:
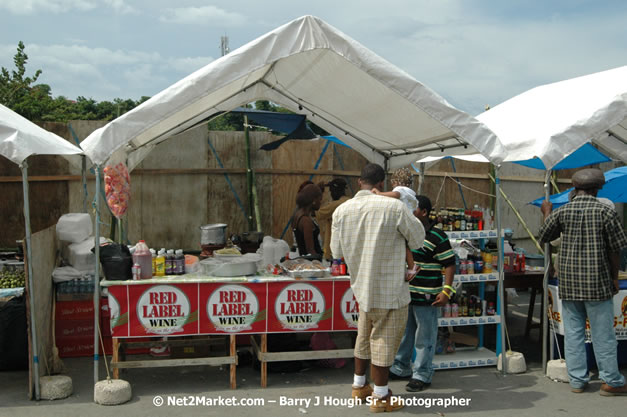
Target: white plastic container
point(80, 255)
point(74, 227)
point(273, 250)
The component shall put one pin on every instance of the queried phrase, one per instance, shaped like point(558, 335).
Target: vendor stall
point(310, 68)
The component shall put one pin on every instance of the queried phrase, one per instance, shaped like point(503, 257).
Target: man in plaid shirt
point(370, 232)
point(592, 238)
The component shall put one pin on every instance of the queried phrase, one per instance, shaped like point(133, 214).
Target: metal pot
point(252, 237)
point(213, 234)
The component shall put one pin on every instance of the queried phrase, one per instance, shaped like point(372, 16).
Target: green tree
point(15, 85)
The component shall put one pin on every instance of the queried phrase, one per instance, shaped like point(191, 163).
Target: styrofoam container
point(74, 227)
point(80, 255)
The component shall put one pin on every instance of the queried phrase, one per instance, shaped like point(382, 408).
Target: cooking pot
point(213, 234)
point(252, 237)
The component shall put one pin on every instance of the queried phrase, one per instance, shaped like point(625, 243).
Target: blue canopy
point(615, 189)
point(586, 155)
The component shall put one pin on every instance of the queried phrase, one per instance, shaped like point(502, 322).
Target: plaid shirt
point(370, 232)
point(590, 231)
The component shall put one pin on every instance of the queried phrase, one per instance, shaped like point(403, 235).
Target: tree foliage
point(36, 102)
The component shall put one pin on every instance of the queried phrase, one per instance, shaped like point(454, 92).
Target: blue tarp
point(586, 155)
point(615, 189)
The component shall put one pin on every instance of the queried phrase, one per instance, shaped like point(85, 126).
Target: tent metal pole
point(97, 276)
point(503, 325)
point(421, 176)
point(29, 262)
point(545, 283)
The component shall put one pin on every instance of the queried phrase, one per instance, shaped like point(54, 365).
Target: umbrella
point(615, 189)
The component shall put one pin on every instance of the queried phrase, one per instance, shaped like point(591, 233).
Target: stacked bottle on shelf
point(468, 306)
point(459, 219)
point(481, 262)
point(84, 285)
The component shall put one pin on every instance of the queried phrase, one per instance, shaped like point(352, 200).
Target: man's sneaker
point(395, 377)
point(608, 391)
point(362, 392)
point(416, 385)
point(386, 404)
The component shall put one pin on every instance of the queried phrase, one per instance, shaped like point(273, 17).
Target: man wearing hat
point(337, 187)
point(592, 238)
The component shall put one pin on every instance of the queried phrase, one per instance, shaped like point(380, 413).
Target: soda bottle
point(169, 258)
point(179, 262)
point(154, 262)
point(143, 258)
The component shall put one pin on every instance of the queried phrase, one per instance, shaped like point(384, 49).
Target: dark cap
point(588, 179)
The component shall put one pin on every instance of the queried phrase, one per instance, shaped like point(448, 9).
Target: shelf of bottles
point(469, 224)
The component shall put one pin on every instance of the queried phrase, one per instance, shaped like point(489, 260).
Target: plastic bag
point(116, 261)
point(117, 188)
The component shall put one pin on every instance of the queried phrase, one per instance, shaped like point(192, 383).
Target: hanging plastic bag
point(117, 188)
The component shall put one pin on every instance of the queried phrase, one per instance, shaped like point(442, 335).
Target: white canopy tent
point(554, 120)
point(314, 69)
point(19, 139)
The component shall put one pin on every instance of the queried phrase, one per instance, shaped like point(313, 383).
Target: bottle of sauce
point(160, 263)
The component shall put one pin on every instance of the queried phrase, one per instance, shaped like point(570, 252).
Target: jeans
point(421, 334)
point(601, 317)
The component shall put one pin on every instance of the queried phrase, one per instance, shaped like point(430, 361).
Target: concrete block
point(556, 370)
point(112, 392)
point(515, 362)
point(55, 387)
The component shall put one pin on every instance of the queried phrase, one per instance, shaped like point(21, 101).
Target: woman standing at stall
point(305, 228)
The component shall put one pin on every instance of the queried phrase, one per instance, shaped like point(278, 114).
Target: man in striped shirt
point(427, 293)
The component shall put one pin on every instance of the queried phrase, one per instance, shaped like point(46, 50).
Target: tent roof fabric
point(21, 138)
point(554, 120)
point(313, 69)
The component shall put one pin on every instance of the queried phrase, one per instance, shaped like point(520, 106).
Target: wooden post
point(115, 356)
point(233, 353)
point(264, 364)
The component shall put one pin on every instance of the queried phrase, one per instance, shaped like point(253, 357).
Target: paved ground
point(487, 391)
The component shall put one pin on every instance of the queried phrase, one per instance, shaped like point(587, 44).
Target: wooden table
point(532, 280)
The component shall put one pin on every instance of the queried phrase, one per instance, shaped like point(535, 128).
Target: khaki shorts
point(379, 334)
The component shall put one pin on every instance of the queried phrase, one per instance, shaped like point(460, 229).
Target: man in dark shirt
point(427, 293)
point(592, 238)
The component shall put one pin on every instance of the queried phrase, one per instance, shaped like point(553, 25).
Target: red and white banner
point(140, 310)
point(620, 313)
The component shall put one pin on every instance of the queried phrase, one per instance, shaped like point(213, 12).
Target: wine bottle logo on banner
point(233, 308)
point(163, 309)
point(350, 308)
point(299, 306)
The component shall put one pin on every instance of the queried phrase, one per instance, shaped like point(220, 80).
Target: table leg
point(233, 354)
point(264, 364)
point(115, 357)
point(532, 303)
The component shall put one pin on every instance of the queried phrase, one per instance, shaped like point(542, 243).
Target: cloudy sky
point(472, 52)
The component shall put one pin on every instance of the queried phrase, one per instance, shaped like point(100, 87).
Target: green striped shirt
point(431, 258)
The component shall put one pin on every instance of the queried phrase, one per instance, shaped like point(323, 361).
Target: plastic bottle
point(179, 262)
point(160, 263)
point(335, 267)
point(169, 258)
point(154, 262)
point(143, 258)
